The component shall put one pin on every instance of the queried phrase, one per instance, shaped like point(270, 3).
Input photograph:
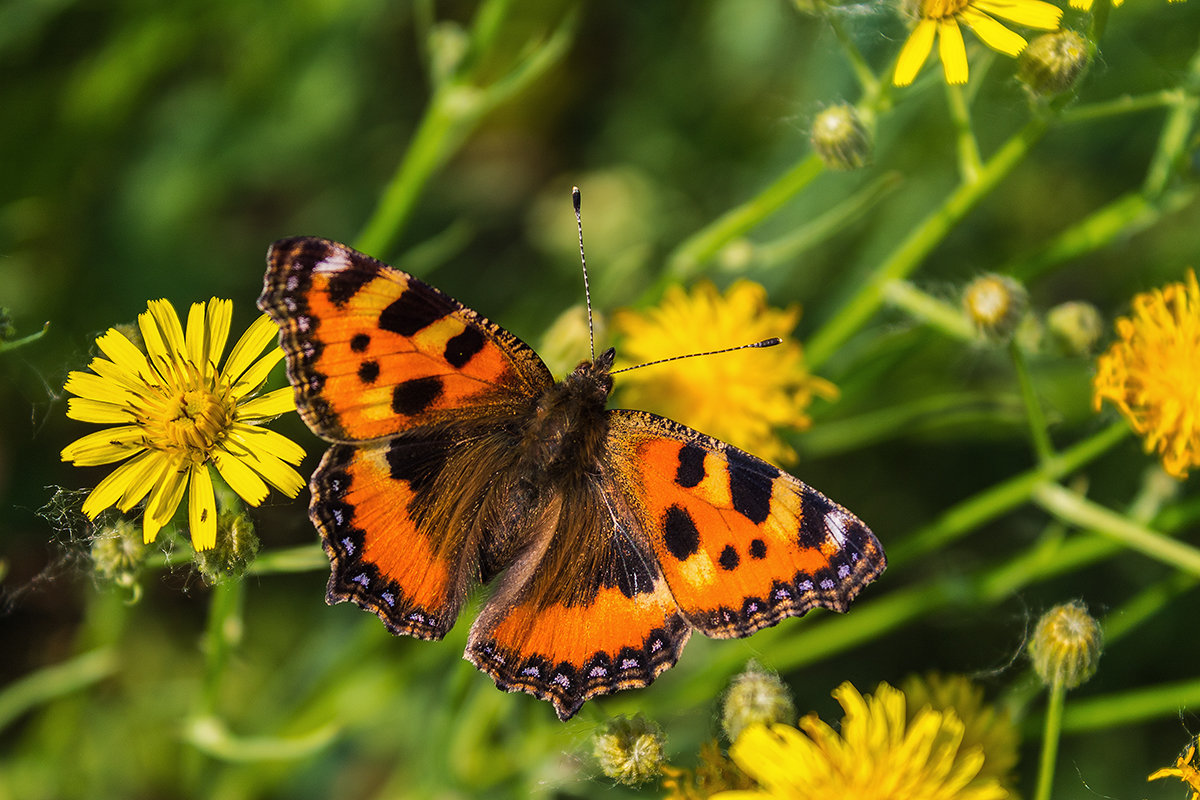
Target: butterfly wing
point(424, 387)
point(373, 351)
point(584, 611)
point(741, 544)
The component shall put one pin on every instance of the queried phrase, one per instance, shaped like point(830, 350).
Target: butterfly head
point(591, 380)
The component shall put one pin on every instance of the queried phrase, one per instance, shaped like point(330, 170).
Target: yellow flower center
point(941, 9)
point(190, 421)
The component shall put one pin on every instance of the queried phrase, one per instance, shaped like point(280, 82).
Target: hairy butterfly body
point(608, 535)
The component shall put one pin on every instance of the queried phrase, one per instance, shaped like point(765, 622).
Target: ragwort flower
point(880, 753)
point(739, 397)
point(1152, 373)
point(175, 413)
point(1185, 769)
point(941, 18)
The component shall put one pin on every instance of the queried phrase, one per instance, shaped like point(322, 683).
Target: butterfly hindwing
point(741, 543)
point(583, 612)
point(372, 351)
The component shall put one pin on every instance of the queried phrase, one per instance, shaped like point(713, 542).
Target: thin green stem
point(304, 558)
point(1176, 133)
point(1033, 408)
point(939, 314)
point(690, 255)
point(24, 340)
point(862, 70)
point(1078, 510)
point(49, 683)
point(969, 161)
point(1118, 106)
point(1050, 736)
point(224, 632)
point(996, 500)
point(1137, 705)
point(923, 239)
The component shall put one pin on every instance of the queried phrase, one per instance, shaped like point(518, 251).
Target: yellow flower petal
point(271, 404)
point(104, 447)
point(253, 378)
point(952, 52)
point(123, 352)
point(220, 319)
point(94, 387)
point(164, 500)
point(84, 410)
point(1030, 13)
point(993, 34)
point(914, 52)
point(202, 509)
point(110, 489)
point(140, 480)
point(252, 438)
point(163, 336)
point(260, 334)
point(240, 477)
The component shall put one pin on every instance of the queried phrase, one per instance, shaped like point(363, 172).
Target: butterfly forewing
point(741, 543)
point(373, 351)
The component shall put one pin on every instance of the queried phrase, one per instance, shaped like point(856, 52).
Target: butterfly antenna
point(764, 343)
point(587, 295)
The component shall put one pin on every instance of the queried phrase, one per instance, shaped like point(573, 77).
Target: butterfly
point(608, 536)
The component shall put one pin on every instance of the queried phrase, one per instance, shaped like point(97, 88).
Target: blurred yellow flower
point(175, 413)
point(1086, 5)
point(1184, 770)
point(740, 397)
point(880, 753)
point(941, 19)
point(1152, 373)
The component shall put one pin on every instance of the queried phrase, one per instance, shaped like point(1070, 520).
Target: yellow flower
point(175, 413)
point(879, 754)
point(1086, 5)
point(1184, 770)
point(941, 19)
point(739, 397)
point(1152, 373)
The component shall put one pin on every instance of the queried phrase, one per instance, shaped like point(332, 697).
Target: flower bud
point(840, 138)
point(630, 750)
point(1066, 645)
point(755, 697)
point(237, 545)
point(1075, 326)
point(1053, 62)
point(995, 305)
point(118, 554)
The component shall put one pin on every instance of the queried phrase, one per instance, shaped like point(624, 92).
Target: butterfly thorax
point(565, 435)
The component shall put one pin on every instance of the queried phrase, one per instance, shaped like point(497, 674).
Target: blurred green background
point(155, 150)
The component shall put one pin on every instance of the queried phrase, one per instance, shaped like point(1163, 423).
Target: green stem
point(1125, 104)
point(924, 237)
point(1078, 510)
point(969, 160)
point(1149, 702)
point(1050, 735)
point(690, 255)
point(24, 340)
point(49, 683)
point(305, 558)
point(862, 70)
point(945, 317)
point(996, 500)
point(1176, 132)
point(1033, 409)
point(224, 632)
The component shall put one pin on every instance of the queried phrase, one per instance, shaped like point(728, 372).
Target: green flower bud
point(995, 305)
point(630, 750)
point(118, 554)
point(1066, 645)
point(1053, 62)
point(840, 138)
point(237, 545)
point(755, 697)
point(1075, 326)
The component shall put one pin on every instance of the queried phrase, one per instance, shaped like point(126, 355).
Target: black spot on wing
point(463, 347)
point(418, 461)
point(360, 342)
point(347, 282)
point(814, 507)
point(416, 394)
point(680, 533)
point(690, 471)
point(758, 549)
point(750, 486)
point(419, 307)
point(729, 559)
point(368, 371)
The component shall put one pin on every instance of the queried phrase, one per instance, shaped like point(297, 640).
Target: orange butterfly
point(458, 460)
